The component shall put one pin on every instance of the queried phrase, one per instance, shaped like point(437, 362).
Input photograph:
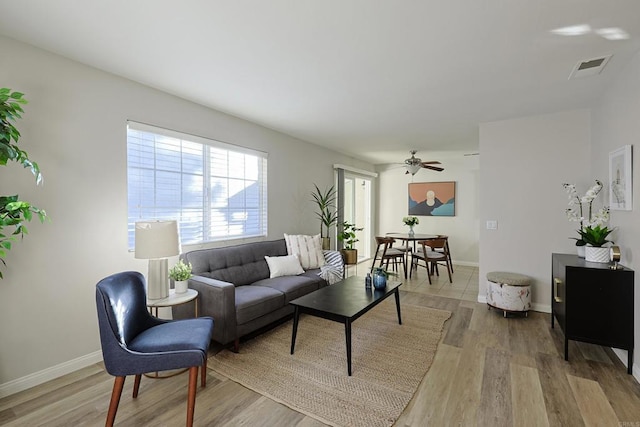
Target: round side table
point(174, 299)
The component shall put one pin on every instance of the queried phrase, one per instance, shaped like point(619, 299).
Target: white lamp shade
point(157, 239)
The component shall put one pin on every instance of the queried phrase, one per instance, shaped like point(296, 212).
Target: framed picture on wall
point(432, 198)
point(620, 179)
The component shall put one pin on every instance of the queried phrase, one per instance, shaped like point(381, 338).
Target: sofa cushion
point(291, 286)
point(239, 264)
point(174, 336)
point(308, 248)
point(288, 265)
point(255, 301)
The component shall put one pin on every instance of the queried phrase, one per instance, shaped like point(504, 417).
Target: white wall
point(616, 123)
point(523, 165)
point(75, 128)
point(462, 229)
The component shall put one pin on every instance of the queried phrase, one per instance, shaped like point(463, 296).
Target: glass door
point(357, 192)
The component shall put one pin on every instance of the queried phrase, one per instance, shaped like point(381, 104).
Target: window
point(216, 191)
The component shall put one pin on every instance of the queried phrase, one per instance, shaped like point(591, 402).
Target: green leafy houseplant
point(348, 235)
point(595, 236)
point(325, 200)
point(180, 271)
point(13, 211)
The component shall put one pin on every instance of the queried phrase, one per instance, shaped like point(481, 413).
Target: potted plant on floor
point(13, 211)
point(326, 202)
point(347, 236)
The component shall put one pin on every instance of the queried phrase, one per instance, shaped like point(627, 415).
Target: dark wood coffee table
point(343, 302)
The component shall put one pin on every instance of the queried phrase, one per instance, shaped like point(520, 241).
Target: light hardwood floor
point(488, 371)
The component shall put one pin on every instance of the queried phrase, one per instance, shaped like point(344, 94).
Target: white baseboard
point(466, 263)
point(622, 355)
point(48, 374)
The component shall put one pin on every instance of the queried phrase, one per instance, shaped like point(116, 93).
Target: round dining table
point(406, 238)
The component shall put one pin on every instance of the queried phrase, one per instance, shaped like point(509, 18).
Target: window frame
point(219, 221)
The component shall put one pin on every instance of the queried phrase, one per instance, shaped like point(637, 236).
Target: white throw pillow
point(308, 248)
point(288, 265)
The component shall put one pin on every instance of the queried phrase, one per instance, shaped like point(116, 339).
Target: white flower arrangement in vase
point(411, 221)
point(593, 229)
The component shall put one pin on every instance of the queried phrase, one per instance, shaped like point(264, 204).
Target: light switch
point(492, 225)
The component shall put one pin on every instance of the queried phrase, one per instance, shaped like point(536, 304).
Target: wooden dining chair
point(448, 250)
point(439, 246)
point(429, 258)
point(386, 253)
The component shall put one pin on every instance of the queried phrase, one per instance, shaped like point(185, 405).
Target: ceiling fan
point(414, 164)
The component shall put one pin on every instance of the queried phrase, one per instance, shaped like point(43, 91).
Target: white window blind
point(216, 191)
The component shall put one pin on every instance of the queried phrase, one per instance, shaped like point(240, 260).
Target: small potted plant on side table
point(180, 274)
point(348, 237)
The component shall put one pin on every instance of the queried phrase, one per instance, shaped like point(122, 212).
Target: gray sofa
point(235, 289)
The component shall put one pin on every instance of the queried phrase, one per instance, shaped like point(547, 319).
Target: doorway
point(357, 198)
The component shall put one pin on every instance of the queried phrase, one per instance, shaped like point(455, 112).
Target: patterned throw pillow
point(308, 249)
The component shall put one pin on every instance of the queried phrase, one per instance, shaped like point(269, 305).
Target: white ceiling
point(370, 78)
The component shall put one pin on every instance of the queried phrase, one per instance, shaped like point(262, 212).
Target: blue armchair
point(134, 342)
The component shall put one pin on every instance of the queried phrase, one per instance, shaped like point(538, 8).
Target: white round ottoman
point(510, 292)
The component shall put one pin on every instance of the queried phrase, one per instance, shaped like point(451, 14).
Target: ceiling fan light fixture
point(413, 168)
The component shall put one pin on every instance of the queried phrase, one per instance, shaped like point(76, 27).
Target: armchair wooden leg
point(203, 374)
point(136, 385)
point(118, 384)
point(191, 400)
point(236, 345)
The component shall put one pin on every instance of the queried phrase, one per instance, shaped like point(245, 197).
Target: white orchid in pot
point(593, 230)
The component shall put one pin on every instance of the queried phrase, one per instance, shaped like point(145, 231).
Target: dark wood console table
point(592, 303)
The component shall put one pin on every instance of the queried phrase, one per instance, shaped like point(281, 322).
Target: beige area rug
point(388, 362)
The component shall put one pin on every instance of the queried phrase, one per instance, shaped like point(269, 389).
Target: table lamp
point(156, 241)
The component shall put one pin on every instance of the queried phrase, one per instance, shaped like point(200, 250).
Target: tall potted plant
point(326, 202)
point(349, 238)
point(13, 211)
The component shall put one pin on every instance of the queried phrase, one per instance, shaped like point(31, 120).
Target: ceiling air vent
point(590, 67)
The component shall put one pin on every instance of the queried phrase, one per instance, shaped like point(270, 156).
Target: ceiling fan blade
point(435, 168)
point(431, 163)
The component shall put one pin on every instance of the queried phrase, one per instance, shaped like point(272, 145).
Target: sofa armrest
point(216, 299)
